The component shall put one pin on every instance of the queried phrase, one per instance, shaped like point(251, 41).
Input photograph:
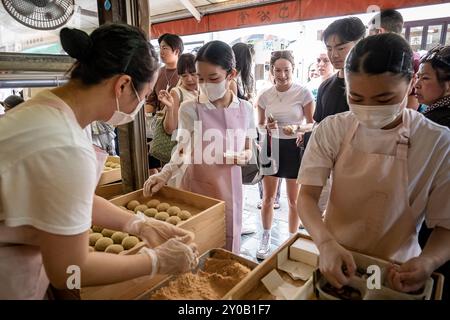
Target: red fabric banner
point(280, 12)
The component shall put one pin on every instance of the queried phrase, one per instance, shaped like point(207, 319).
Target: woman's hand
point(336, 263)
point(410, 276)
point(272, 124)
point(289, 130)
point(299, 140)
point(238, 158)
point(165, 98)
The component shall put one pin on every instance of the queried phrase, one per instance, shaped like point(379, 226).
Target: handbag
point(162, 144)
point(261, 164)
point(267, 157)
point(251, 172)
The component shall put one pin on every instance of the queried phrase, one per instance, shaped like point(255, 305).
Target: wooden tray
point(109, 191)
point(113, 175)
point(207, 223)
point(210, 253)
point(251, 288)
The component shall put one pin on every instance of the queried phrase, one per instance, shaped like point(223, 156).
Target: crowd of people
point(363, 148)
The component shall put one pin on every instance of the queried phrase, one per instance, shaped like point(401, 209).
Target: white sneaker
point(247, 230)
point(264, 247)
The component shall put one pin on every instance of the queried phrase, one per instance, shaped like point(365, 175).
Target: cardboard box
point(207, 223)
point(252, 287)
point(304, 250)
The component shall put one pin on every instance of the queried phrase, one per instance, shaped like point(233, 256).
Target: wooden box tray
point(113, 175)
point(109, 191)
point(207, 223)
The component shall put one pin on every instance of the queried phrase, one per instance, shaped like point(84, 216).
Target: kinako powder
point(218, 277)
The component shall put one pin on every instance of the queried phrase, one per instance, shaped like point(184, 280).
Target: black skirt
point(287, 159)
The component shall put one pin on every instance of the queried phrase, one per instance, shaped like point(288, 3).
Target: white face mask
point(214, 91)
point(378, 116)
point(118, 118)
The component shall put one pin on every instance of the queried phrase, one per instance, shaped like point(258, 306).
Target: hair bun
point(77, 43)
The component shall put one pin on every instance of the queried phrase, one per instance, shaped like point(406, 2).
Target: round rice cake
point(93, 237)
point(103, 243)
point(162, 216)
point(151, 212)
point(184, 215)
point(173, 220)
point(132, 204)
point(173, 211)
point(163, 207)
point(141, 208)
point(153, 203)
point(129, 242)
point(114, 248)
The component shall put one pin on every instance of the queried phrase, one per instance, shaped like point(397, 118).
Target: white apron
point(223, 181)
point(369, 209)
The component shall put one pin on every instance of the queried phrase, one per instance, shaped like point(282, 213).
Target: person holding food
point(49, 171)
point(390, 168)
point(281, 109)
point(223, 125)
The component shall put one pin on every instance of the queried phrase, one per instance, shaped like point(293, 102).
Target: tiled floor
point(252, 217)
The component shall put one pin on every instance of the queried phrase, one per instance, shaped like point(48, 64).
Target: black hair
point(110, 50)
point(186, 64)
point(12, 101)
point(388, 52)
point(347, 29)
point(439, 59)
point(391, 20)
point(243, 54)
point(173, 41)
point(218, 53)
point(282, 54)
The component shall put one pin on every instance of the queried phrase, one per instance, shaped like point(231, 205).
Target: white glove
point(155, 232)
point(172, 257)
point(155, 182)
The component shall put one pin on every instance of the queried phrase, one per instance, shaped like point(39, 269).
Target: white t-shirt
point(286, 107)
point(188, 113)
point(187, 94)
point(428, 159)
point(47, 168)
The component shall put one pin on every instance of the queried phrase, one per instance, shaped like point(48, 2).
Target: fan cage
point(42, 17)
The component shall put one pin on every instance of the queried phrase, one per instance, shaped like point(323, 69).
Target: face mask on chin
point(118, 118)
point(214, 91)
point(378, 116)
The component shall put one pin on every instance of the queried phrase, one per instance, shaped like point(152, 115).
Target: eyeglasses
point(439, 54)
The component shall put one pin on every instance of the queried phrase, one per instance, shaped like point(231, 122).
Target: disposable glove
point(155, 182)
point(172, 257)
point(155, 232)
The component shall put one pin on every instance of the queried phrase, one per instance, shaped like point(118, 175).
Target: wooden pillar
point(132, 138)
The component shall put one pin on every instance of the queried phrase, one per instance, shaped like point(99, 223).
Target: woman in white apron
point(390, 169)
point(49, 171)
point(210, 128)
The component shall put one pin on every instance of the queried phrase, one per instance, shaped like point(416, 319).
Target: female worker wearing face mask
point(217, 111)
point(49, 171)
point(390, 168)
